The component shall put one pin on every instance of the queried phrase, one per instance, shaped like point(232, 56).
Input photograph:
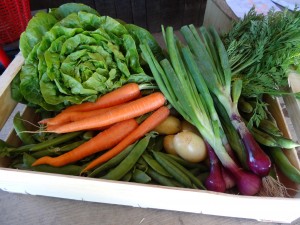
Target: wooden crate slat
point(293, 104)
point(7, 103)
point(7, 106)
point(141, 195)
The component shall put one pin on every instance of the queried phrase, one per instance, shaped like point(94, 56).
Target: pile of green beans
point(36, 145)
point(139, 163)
point(142, 162)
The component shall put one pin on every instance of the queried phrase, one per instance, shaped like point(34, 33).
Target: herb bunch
point(262, 49)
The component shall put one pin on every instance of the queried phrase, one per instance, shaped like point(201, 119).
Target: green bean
point(187, 164)
point(88, 135)
point(23, 148)
point(19, 166)
point(191, 176)
point(67, 170)
point(112, 162)
point(10, 151)
point(46, 144)
point(128, 163)
point(5, 148)
point(16, 161)
point(127, 176)
point(245, 106)
point(269, 127)
point(284, 165)
point(141, 164)
point(263, 138)
point(155, 165)
point(20, 129)
point(57, 150)
point(140, 176)
point(56, 141)
point(160, 179)
point(173, 170)
point(285, 142)
point(44, 136)
point(4, 144)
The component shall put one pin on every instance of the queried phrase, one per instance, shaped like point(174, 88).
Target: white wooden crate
point(283, 210)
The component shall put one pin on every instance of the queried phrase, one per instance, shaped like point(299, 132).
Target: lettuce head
point(72, 55)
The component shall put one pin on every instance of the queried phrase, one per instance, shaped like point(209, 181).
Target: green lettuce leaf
point(36, 29)
point(69, 8)
point(77, 56)
point(142, 35)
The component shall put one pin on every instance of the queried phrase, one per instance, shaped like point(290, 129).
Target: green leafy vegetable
point(72, 55)
point(262, 50)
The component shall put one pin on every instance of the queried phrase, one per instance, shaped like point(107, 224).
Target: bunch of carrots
point(115, 115)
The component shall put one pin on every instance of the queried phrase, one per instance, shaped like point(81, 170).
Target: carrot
point(123, 94)
point(70, 116)
point(103, 141)
point(146, 126)
point(127, 111)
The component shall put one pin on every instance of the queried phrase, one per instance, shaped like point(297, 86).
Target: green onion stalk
point(212, 61)
point(174, 79)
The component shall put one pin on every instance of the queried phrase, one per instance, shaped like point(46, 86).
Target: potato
point(190, 146)
point(169, 145)
point(171, 125)
point(185, 125)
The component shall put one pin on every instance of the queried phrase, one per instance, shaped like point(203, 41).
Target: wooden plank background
point(150, 14)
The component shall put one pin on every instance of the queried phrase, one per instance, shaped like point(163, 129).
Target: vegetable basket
point(276, 209)
point(16, 15)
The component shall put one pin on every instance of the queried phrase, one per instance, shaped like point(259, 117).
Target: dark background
point(150, 14)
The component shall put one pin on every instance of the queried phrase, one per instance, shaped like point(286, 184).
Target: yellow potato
point(190, 146)
point(171, 125)
point(168, 144)
point(185, 125)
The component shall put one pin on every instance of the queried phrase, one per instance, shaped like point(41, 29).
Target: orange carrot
point(127, 111)
point(146, 126)
point(70, 116)
point(123, 94)
point(103, 141)
point(49, 128)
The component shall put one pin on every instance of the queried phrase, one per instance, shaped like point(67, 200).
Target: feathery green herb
point(262, 49)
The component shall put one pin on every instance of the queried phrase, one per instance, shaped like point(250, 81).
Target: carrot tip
point(40, 161)
point(44, 121)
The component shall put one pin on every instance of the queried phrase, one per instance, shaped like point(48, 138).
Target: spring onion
point(176, 83)
point(213, 63)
